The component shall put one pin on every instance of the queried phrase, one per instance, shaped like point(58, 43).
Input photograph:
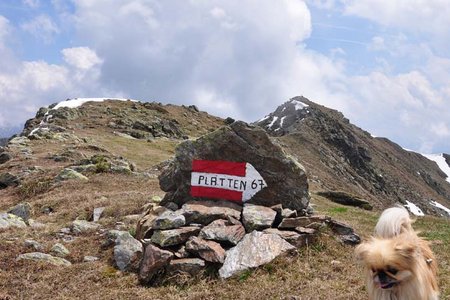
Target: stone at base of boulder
point(127, 252)
point(153, 262)
point(208, 250)
point(254, 250)
point(190, 266)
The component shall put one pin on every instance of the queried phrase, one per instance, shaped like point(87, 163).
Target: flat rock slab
point(81, 226)
point(239, 142)
point(191, 266)
point(45, 258)
point(127, 252)
point(10, 220)
point(220, 232)
point(256, 217)
point(291, 223)
point(153, 262)
point(255, 249)
point(169, 220)
point(208, 250)
point(294, 238)
point(172, 237)
point(68, 174)
point(204, 212)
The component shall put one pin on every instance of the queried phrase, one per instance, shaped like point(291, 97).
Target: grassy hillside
point(325, 270)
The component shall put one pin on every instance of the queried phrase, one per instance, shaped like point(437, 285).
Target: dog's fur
point(399, 265)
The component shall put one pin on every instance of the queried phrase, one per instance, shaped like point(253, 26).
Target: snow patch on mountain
point(414, 209)
point(77, 102)
point(440, 161)
point(299, 105)
point(438, 205)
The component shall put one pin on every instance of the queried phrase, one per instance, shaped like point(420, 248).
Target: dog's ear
point(406, 249)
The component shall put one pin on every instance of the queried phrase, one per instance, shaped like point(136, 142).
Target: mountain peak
point(290, 112)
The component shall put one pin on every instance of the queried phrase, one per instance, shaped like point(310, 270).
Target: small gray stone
point(90, 258)
point(59, 250)
point(340, 228)
point(8, 179)
point(10, 220)
point(22, 210)
point(97, 213)
point(46, 258)
point(191, 266)
point(68, 174)
point(81, 226)
point(4, 157)
point(172, 206)
point(127, 252)
point(256, 217)
point(34, 245)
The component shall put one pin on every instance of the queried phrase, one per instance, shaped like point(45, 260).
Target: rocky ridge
point(342, 158)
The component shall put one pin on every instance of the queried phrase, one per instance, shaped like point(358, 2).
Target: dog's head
point(389, 261)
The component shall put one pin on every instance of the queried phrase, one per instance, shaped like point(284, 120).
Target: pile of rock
point(222, 235)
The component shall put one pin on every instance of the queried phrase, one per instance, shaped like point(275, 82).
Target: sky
point(385, 64)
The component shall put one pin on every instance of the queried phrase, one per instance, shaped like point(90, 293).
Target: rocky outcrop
point(285, 177)
point(339, 156)
point(345, 199)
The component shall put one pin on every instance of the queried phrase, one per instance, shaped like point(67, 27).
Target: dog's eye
point(392, 270)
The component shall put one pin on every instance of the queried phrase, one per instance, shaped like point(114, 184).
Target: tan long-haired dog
point(399, 265)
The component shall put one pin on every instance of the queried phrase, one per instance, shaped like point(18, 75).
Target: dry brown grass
point(312, 274)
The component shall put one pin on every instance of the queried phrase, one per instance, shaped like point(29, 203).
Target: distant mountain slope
point(3, 141)
point(339, 156)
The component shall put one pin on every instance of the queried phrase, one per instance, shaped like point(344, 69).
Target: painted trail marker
point(235, 181)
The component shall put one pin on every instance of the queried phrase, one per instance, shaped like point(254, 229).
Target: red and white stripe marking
point(235, 181)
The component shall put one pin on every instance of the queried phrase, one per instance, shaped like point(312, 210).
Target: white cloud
point(411, 15)
point(81, 57)
point(32, 3)
point(4, 29)
point(42, 27)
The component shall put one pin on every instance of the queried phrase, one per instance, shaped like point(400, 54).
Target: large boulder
point(239, 142)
